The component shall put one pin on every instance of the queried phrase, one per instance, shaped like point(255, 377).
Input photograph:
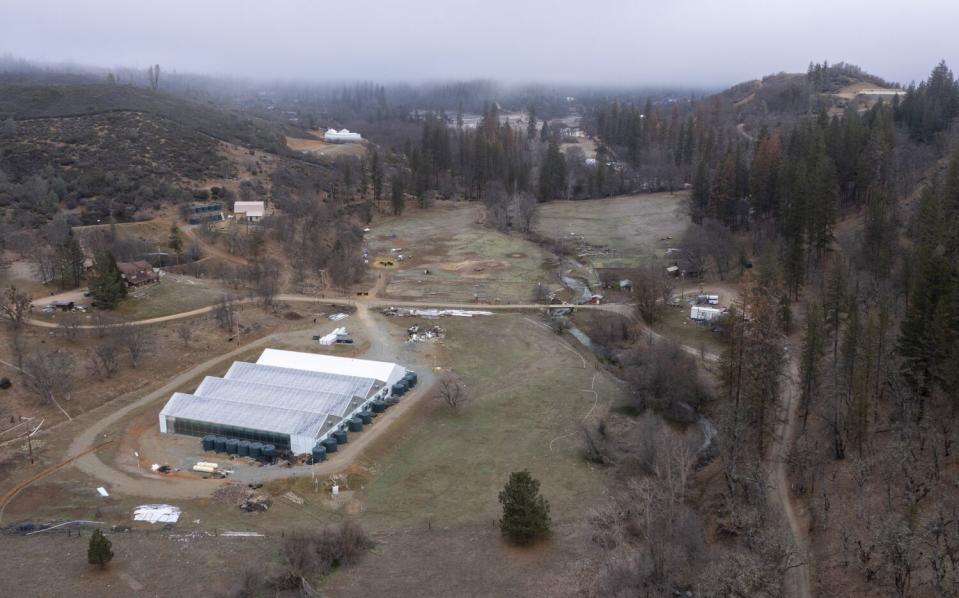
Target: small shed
point(249, 210)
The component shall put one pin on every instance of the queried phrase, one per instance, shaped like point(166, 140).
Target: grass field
point(435, 480)
point(631, 226)
point(174, 293)
point(464, 258)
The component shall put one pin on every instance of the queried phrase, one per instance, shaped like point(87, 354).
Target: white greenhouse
point(289, 399)
point(332, 135)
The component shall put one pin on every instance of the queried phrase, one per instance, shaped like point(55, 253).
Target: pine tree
point(106, 285)
point(175, 242)
point(525, 512)
point(99, 551)
point(398, 195)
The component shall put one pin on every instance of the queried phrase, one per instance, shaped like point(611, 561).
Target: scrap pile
point(422, 335)
point(244, 497)
point(434, 313)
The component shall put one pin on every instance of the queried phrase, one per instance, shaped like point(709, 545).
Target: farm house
point(291, 400)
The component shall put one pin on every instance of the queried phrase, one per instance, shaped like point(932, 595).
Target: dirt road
point(796, 579)
point(366, 302)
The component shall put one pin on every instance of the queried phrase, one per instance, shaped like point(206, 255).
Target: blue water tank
point(319, 453)
point(330, 444)
point(366, 417)
point(232, 446)
point(355, 424)
point(208, 442)
point(269, 451)
point(378, 406)
point(243, 448)
point(219, 444)
point(340, 436)
point(256, 449)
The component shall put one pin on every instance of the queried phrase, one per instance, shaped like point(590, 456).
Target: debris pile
point(434, 313)
point(338, 316)
point(244, 497)
point(422, 335)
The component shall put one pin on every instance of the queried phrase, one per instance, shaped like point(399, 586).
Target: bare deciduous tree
point(135, 339)
point(225, 313)
point(153, 73)
point(48, 374)
point(70, 326)
point(185, 333)
point(452, 391)
point(524, 211)
point(14, 306)
point(105, 359)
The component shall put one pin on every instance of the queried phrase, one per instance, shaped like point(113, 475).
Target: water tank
point(330, 444)
point(256, 449)
point(366, 417)
point(219, 444)
point(231, 446)
point(378, 406)
point(269, 451)
point(399, 389)
point(319, 453)
point(340, 436)
point(243, 448)
point(410, 378)
point(208, 442)
point(355, 424)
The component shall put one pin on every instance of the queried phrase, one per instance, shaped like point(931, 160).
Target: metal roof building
point(293, 401)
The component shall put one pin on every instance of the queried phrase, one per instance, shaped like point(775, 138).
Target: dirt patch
point(476, 268)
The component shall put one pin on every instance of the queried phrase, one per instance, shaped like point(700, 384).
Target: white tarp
point(330, 338)
point(157, 513)
point(338, 316)
point(102, 491)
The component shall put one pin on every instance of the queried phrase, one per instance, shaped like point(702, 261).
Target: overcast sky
point(625, 42)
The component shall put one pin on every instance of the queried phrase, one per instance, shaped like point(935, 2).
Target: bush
point(5, 383)
point(310, 553)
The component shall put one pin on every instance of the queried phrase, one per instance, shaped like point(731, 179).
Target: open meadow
point(448, 255)
point(617, 232)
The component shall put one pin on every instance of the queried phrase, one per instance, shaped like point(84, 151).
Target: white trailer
point(704, 314)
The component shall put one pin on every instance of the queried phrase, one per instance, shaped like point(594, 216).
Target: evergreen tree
point(525, 512)
point(175, 242)
point(376, 174)
point(106, 285)
point(398, 195)
point(99, 551)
